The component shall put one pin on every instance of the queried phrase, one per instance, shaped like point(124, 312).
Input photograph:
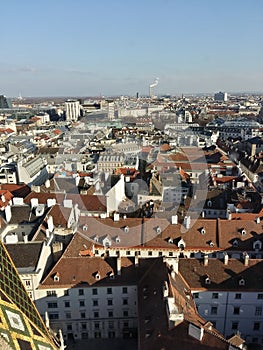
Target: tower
point(20, 321)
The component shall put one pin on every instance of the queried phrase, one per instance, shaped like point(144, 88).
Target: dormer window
point(257, 245)
point(126, 229)
point(235, 243)
point(181, 244)
point(203, 231)
point(117, 239)
point(97, 275)
point(170, 240)
point(96, 239)
point(241, 282)
point(211, 244)
point(158, 229)
point(243, 232)
point(56, 277)
point(207, 280)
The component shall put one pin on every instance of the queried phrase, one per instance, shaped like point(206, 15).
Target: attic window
point(257, 245)
point(170, 240)
point(117, 240)
point(97, 276)
point(85, 228)
point(235, 243)
point(181, 244)
point(207, 280)
point(158, 229)
point(203, 231)
point(211, 244)
point(126, 229)
point(241, 282)
point(243, 231)
point(56, 277)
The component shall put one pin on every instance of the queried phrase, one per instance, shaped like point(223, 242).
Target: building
point(5, 102)
point(228, 293)
point(90, 297)
point(72, 110)
point(220, 96)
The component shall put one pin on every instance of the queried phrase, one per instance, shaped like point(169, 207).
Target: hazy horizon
point(80, 48)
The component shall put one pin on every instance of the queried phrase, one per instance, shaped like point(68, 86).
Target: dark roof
point(24, 255)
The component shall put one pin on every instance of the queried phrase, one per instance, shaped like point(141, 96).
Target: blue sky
point(113, 47)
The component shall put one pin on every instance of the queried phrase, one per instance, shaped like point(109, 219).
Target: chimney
point(206, 260)
point(50, 223)
point(136, 261)
point(119, 265)
point(226, 257)
point(174, 219)
point(246, 259)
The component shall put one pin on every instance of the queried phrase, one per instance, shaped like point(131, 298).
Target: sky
point(119, 47)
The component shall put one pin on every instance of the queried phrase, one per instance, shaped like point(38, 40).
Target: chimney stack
point(246, 259)
point(119, 265)
point(206, 260)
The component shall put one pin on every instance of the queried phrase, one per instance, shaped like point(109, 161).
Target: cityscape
point(131, 176)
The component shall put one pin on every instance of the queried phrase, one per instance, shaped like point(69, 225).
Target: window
point(260, 296)
point(236, 310)
point(110, 313)
point(258, 311)
point(124, 290)
point(82, 303)
point(170, 253)
point(51, 293)
point(95, 302)
point(81, 291)
point(125, 313)
point(238, 296)
point(126, 324)
point(67, 304)
point(111, 334)
point(68, 315)
point(110, 302)
point(214, 295)
point(94, 291)
point(109, 290)
point(125, 302)
point(83, 326)
point(128, 252)
point(96, 251)
point(160, 254)
point(196, 295)
point(53, 316)
point(214, 310)
point(97, 325)
point(69, 327)
point(52, 305)
point(256, 326)
point(82, 315)
point(111, 324)
point(96, 314)
point(66, 292)
point(150, 253)
point(28, 283)
point(234, 325)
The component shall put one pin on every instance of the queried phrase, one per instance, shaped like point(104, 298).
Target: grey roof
point(25, 255)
